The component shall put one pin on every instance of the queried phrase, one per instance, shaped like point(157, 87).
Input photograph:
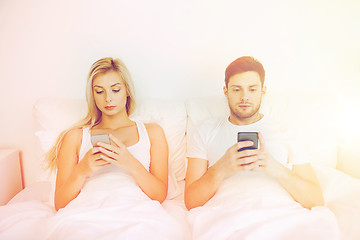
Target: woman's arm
point(153, 183)
point(71, 175)
point(68, 180)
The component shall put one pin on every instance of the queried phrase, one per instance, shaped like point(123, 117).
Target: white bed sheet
point(254, 207)
point(262, 211)
point(126, 213)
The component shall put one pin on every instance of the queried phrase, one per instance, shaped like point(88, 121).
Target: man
point(229, 180)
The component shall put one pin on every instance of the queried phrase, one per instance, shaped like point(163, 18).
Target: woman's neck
point(115, 122)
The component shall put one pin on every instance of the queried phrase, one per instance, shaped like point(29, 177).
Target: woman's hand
point(117, 154)
point(92, 161)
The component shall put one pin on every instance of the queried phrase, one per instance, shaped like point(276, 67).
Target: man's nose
point(244, 97)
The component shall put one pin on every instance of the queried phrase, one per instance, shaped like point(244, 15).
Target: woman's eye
point(116, 90)
point(99, 92)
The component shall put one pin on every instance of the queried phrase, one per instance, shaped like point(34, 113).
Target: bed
point(33, 206)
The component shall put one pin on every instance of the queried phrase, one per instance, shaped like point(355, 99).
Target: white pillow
point(308, 115)
point(54, 115)
point(311, 114)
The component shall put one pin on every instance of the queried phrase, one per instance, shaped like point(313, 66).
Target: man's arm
point(300, 182)
point(201, 182)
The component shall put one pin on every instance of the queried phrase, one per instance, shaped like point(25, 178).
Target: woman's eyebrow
point(110, 86)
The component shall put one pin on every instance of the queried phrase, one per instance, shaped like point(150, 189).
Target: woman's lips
point(110, 107)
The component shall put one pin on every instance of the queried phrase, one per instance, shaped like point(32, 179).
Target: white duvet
point(118, 211)
point(250, 206)
point(247, 206)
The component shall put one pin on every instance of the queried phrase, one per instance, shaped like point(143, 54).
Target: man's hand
point(301, 182)
point(266, 163)
point(234, 160)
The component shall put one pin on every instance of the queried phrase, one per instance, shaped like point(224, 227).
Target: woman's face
point(110, 93)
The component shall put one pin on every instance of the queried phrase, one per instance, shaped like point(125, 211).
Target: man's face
point(244, 93)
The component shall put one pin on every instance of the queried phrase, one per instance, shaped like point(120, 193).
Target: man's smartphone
point(248, 136)
point(104, 137)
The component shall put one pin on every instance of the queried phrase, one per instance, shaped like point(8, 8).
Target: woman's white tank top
point(140, 150)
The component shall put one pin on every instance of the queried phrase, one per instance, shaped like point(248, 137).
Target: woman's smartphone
point(248, 136)
point(104, 137)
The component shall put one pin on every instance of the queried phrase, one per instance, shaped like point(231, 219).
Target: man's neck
point(246, 120)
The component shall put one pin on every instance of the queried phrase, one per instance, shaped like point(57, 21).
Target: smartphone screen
point(248, 136)
point(100, 138)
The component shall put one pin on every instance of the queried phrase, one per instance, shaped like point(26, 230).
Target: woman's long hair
point(94, 114)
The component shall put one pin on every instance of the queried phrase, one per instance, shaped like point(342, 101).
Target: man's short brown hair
point(244, 64)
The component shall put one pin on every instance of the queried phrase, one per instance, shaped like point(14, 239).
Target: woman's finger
point(108, 159)
point(101, 162)
point(116, 141)
point(111, 154)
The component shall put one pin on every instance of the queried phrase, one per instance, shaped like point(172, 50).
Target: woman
point(105, 191)
point(137, 149)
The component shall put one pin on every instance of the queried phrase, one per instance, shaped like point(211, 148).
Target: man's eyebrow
point(240, 86)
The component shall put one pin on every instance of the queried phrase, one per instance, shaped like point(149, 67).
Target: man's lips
point(244, 105)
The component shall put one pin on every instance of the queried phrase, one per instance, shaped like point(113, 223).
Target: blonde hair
point(94, 114)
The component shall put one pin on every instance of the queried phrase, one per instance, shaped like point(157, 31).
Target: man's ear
point(225, 91)
point(263, 90)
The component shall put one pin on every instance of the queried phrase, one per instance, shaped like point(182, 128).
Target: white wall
point(174, 49)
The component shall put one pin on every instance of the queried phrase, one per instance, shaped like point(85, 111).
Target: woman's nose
point(108, 98)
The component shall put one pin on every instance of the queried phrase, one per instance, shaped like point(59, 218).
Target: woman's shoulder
point(73, 136)
point(154, 129)
point(70, 143)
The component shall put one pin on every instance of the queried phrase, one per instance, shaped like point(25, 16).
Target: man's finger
point(243, 144)
point(261, 140)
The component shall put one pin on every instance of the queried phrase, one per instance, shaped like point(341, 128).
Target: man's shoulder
point(212, 123)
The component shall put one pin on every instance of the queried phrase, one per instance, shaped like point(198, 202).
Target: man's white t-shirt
point(211, 140)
